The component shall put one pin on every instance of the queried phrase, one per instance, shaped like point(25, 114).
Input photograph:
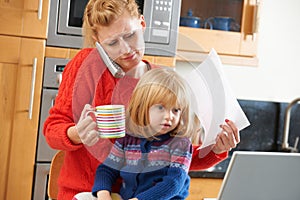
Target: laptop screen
point(262, 176)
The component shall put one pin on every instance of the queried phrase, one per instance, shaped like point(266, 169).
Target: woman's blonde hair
point(103, 13)
point(161, 86)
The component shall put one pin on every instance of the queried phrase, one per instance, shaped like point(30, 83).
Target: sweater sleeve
point(176, 180)
point(171, 184)
point(207, 161)
point(108, 172)
point(105, 178)
point(61, 115)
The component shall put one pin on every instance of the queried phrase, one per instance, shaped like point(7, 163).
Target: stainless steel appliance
point(53, 68)
point(162, 18)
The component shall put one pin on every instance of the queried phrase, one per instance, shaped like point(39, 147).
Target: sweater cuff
point(57, 138)
point(209, 160)
point(69, 145)
point(222, 156)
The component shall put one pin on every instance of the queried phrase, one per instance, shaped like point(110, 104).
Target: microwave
point(161, 16)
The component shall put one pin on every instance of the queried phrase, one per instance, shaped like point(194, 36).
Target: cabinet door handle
point(40, 10)
point(33, 75)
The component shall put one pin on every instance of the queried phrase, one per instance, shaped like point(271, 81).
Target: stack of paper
point(213, 99)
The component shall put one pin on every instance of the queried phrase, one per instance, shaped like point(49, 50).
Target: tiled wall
point(262, 134)
point(265, 132)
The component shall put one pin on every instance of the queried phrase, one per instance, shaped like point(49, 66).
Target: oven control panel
point(163, 13)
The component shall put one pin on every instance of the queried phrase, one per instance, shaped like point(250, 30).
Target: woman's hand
point(227, 139)
point(84, 132)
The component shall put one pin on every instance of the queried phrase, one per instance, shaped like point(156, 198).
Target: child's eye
point(176, 110)
point(160, 107)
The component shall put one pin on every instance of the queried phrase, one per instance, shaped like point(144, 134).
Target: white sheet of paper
point(213, 98)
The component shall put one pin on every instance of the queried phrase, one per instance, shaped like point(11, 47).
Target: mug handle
point(88, 113)
point(208, 22)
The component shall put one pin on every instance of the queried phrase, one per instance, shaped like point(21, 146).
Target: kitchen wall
point(276, 78)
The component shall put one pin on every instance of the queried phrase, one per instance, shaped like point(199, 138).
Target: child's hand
point(116, 196)
point(103, 195)
point(133, 199)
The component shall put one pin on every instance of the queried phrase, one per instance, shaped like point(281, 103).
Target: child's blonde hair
point(103, 13)
point(161, 86)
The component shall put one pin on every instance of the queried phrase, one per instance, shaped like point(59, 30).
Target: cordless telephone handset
point(113, 67)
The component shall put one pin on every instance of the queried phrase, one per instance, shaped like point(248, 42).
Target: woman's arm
point(209, 160)
point(61, 116)
point(228, 138)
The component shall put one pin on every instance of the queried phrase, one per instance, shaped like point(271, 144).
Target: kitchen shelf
point(237, 47)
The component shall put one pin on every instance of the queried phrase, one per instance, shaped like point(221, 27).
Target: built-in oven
point(53, 68)
point(161, 16)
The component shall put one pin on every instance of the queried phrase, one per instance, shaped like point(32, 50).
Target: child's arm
point(104, 179)
point(108, 172)
point(175, 182)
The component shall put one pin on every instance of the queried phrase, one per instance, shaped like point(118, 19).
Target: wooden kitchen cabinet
point(28, 18)
point(23, 32)
point(231, 45)
point(8, 71)
point(21, 89)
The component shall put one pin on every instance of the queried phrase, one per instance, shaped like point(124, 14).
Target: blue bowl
point(188, 21)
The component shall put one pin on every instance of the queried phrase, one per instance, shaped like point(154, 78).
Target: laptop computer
point(261, 176)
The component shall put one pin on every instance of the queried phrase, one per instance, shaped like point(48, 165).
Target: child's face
point(164, 119)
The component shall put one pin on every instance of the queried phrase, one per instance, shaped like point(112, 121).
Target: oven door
point(44, 152)
point(41, 181)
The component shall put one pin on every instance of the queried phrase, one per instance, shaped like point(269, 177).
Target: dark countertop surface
point(218, 171)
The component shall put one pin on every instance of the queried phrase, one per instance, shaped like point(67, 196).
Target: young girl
point(154, 157)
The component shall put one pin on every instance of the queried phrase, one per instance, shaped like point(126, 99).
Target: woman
point(118, 27)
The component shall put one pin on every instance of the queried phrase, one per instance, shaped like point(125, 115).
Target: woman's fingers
point(228, 138)
point(234, 129)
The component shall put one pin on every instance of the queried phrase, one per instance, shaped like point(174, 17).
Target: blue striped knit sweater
point(155, 169)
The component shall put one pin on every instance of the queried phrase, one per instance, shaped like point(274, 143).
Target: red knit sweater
point(87, 80)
